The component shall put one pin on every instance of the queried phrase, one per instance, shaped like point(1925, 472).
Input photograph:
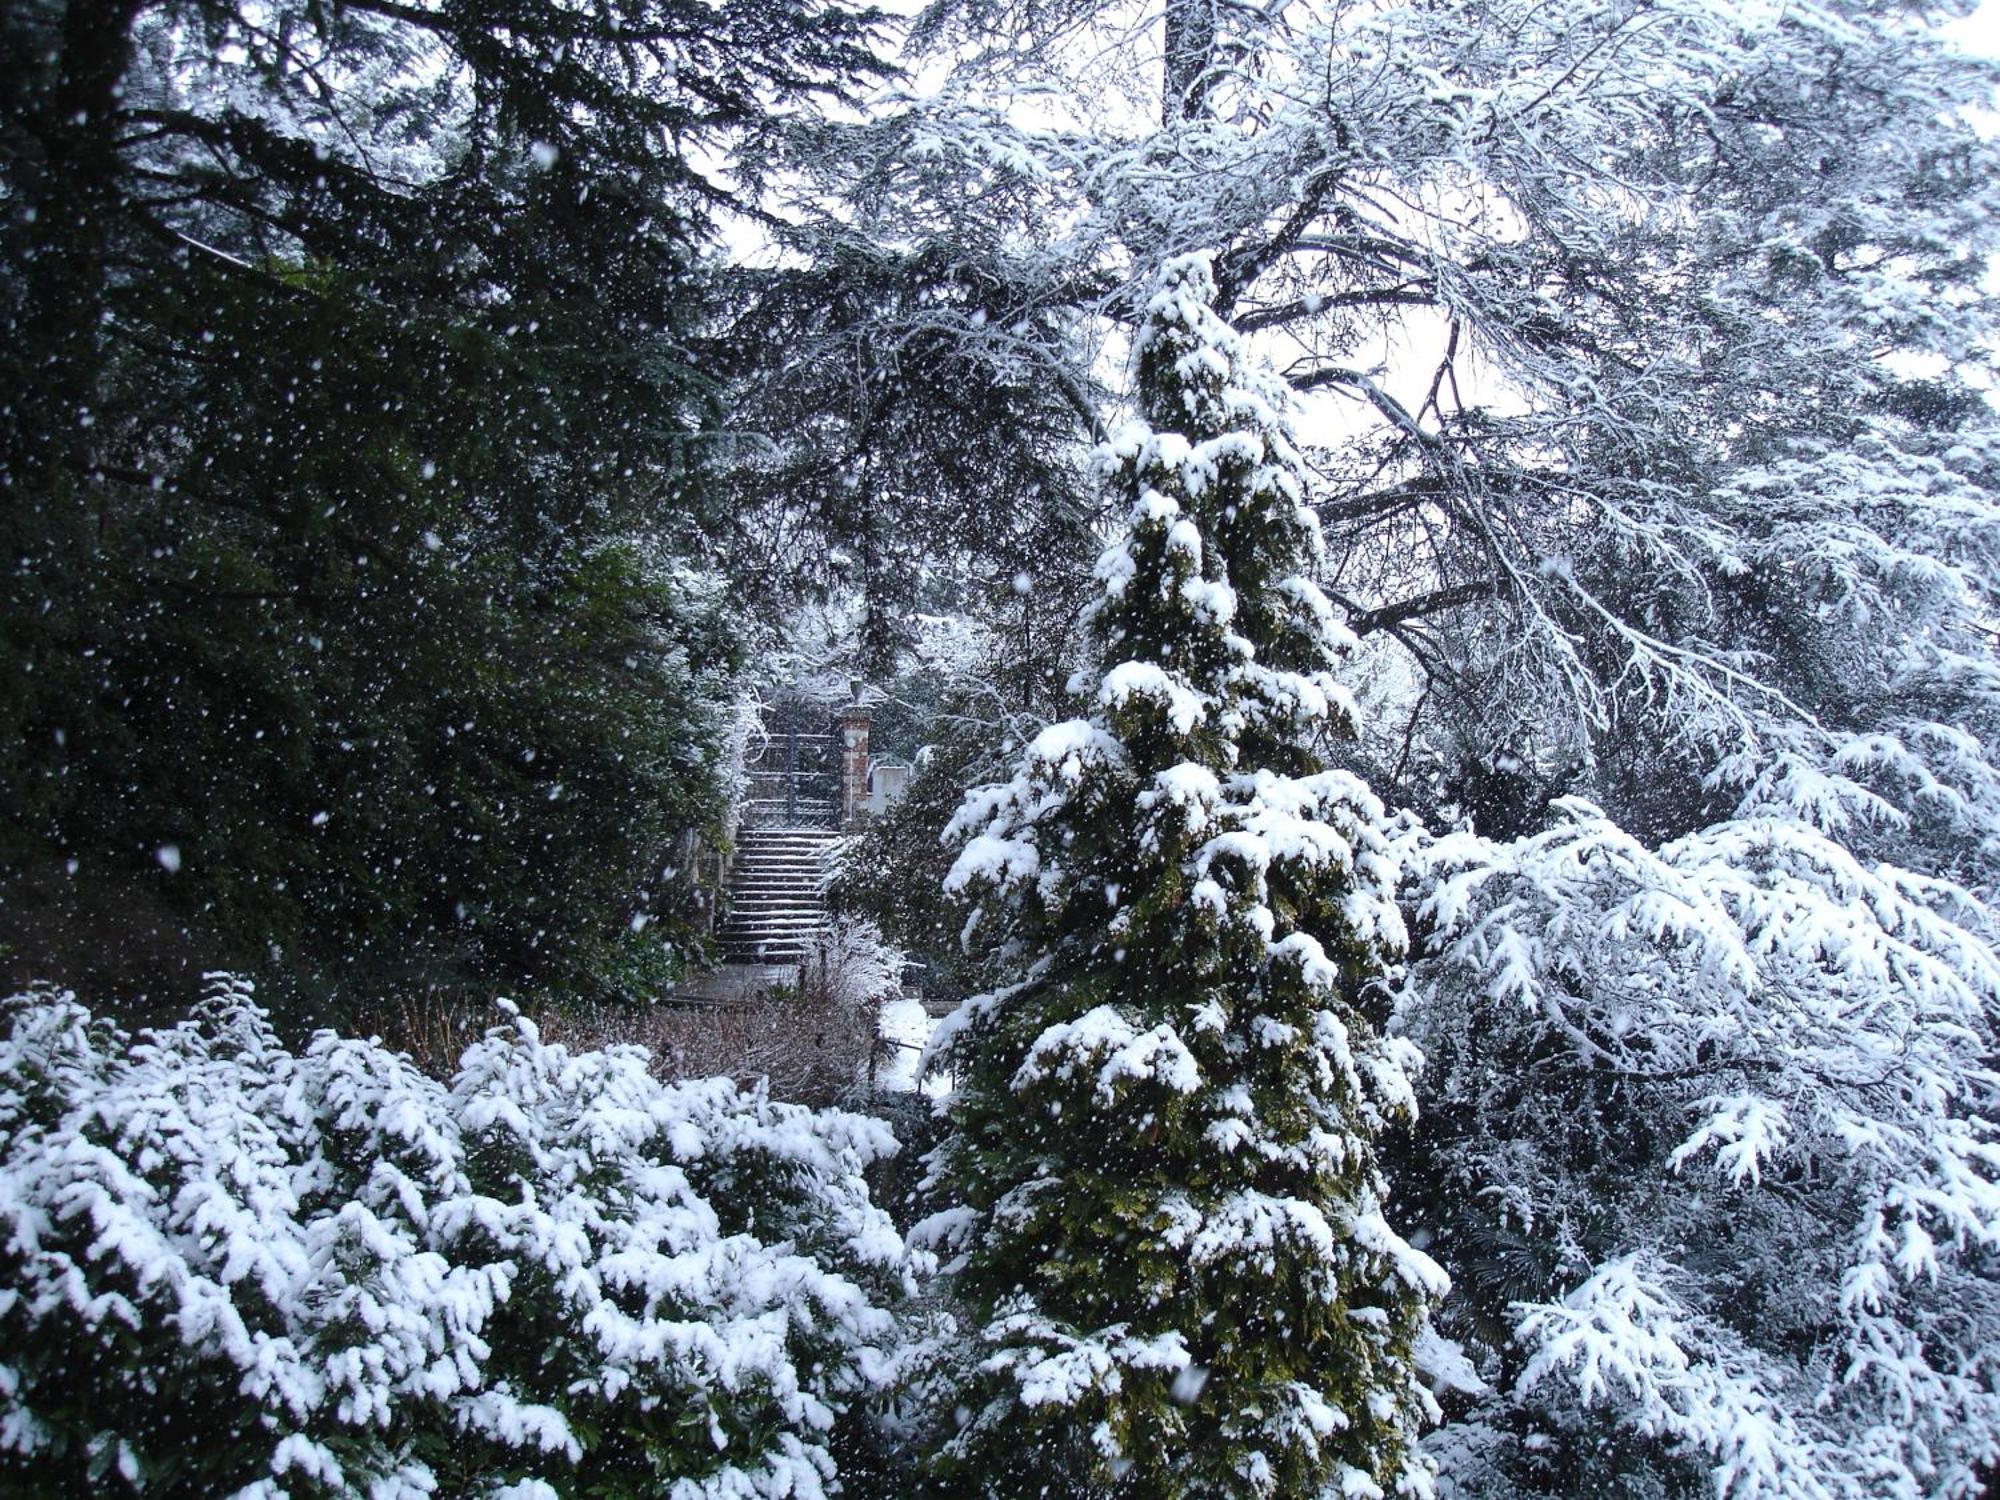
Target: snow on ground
point(904, 1027)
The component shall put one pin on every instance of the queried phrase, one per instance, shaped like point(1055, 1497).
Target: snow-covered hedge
point(231, 1269)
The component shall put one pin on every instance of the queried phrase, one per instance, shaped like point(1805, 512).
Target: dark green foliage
point(893, 872)
point(962, 726)
point(1171, 1244)
point(354, 460)
point(959, 714)
point(923, 435)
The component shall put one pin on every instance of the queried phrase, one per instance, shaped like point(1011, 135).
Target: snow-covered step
point(770, 955)
point(776, 911)
point(770, 947)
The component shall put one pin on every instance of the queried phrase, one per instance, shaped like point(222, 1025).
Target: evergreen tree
point(893, 386)
point(1659, 474)
point(353, 619)
point(1174, 1254)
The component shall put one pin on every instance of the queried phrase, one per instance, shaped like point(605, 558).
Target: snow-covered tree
point(1643, 338)
point(1170, 1237)
point(1710, 1147)
point(1647, 356)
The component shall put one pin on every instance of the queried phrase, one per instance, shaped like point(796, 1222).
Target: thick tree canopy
point(412, 412)
point(1640, 333)
point(1647, 358)
point(354, 607)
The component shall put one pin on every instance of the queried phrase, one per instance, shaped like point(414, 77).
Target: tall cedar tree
point(1175, 1258)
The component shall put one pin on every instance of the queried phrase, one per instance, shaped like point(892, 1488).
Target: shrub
point(231, 1268)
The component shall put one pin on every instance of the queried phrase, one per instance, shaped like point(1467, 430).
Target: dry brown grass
point(434, 1030)
point(810, 1053)
point(813, 1046)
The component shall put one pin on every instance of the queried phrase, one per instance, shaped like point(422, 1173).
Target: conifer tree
point(357, 437)
point(1173, 1251)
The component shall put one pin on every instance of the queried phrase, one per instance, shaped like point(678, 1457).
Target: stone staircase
point(776, 909)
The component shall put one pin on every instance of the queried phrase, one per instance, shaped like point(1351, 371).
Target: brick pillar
point(854, 722)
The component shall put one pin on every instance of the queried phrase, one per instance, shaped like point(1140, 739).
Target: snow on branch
point(322, 1266)
point(1787, 1054)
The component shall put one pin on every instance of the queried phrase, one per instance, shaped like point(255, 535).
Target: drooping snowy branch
point(1740, 1090)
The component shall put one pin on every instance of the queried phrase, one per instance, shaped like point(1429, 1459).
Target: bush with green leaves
point(231, 1268)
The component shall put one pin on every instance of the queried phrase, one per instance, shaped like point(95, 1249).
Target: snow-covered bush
point(229, 1268)
point(846, 977)
point(850, 967)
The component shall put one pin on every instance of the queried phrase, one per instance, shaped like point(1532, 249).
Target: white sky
point(1980, 31)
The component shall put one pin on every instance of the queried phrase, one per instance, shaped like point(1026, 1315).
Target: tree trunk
point(1190, 47)
point(69, 207)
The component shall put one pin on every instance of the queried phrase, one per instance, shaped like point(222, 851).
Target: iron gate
point(793, 782)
